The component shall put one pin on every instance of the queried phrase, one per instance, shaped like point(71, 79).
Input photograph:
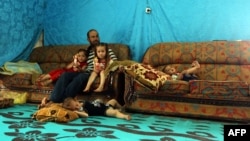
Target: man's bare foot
point(86, 90)
point(43, 103)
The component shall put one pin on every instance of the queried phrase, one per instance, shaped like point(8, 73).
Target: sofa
point(220, 93)
point(53, 57)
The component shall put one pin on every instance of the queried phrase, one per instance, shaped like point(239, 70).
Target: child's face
point(101, 52)
point(75, 105)
point(81, 57)
point(169, 70)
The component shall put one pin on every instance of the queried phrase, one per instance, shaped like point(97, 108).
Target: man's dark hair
point(90, 31)
point(90, 47)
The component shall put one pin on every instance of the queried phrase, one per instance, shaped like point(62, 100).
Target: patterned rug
point(16, 125)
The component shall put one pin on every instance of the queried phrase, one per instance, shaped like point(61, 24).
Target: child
point(95, 108)
point(79, 64)
point(186, 75)
point(101, 60)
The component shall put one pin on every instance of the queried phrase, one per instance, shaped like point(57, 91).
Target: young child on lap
point(101, 60)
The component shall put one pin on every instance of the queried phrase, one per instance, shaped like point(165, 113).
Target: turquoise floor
point(16, 125)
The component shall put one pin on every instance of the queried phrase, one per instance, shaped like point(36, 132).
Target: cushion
point(56, 113)
point(224, 90)
point(19, 97)
point(147, 75)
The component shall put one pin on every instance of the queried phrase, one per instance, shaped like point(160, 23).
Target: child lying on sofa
point(186, 75)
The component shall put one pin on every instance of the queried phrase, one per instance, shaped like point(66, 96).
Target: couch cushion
point(18, 96)
point(17, 79)
point(55, 113)
point(176, 87)
point(58, 56)
point(226, 90)
point(147, 76)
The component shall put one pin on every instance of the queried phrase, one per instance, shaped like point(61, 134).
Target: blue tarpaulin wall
point(119, 21)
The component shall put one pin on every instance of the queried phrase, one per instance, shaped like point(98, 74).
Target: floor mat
point(16, 124)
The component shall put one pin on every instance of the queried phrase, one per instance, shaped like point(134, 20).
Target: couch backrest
point(220, 60)
point(52, 57)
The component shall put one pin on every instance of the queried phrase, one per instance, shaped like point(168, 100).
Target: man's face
point(93, 38)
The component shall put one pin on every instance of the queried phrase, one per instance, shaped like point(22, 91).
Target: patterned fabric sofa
point(53, 57)
point(222, 92)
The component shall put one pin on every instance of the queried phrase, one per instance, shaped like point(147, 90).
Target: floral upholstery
point(223, 84)
point(53, 57)
point(147, 76)
point(224, 90)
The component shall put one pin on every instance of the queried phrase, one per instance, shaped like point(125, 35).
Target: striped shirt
point(91, 56)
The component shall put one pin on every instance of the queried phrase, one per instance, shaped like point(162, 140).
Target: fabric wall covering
point(20, 26)
point(119, 21)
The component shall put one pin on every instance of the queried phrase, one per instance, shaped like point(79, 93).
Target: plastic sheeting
point(125, 21)
point(118, 21)
point(20, 26)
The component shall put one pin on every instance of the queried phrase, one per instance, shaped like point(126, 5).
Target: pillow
point(147, 75)
point(56, 113)
point(19, 97)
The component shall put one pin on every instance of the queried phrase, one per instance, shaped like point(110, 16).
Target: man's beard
point(95, 42)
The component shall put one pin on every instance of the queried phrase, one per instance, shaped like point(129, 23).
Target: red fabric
point(55, 74)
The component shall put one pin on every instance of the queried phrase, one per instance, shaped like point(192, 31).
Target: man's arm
point(90, 63)
point(112, 54)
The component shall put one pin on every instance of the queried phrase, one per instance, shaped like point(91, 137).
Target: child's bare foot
point(99, 89)
point(40, 77)
point(127, 117)
point(40, 84)
point(195, 64)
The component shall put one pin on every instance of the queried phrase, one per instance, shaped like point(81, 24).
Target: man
point(70, 84)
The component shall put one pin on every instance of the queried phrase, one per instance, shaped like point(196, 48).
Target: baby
point(186, 75)
point(95, 108)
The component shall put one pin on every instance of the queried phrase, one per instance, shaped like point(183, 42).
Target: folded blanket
point(10, 68)
point(114, 66)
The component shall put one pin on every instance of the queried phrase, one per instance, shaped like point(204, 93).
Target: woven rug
point(16, 125)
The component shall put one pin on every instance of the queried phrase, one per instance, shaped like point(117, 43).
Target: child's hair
point(106, 48)
point(166, 69)
point(67, 102)
point(84, 51)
